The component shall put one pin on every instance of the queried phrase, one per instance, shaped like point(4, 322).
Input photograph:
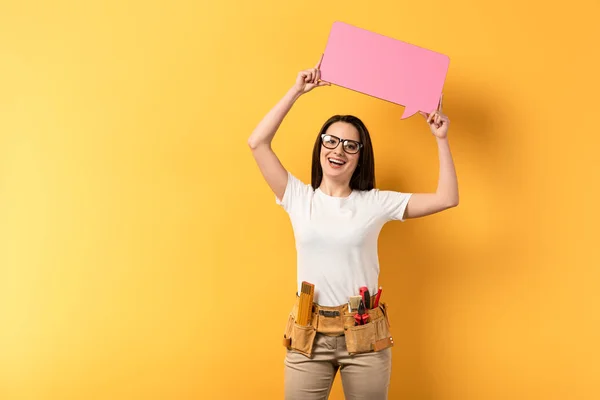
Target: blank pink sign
point(385, 68)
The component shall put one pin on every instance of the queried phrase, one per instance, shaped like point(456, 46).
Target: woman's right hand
point(309, 79)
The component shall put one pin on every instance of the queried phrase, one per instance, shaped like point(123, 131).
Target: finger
point(317, 75)
point(424, 114)
point(431, 117)
point(440, 103)
point(320, 61)
point(323, 83)
point(437, 120)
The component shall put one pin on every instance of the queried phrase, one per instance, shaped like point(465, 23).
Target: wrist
point(294, 93)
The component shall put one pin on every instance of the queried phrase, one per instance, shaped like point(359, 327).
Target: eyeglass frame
point(343, 141)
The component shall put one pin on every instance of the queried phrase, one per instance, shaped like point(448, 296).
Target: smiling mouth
point(336, 162)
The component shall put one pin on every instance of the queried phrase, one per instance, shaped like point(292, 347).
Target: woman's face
point(339, 163)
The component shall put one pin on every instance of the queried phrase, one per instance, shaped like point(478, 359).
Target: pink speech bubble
point(385, 68)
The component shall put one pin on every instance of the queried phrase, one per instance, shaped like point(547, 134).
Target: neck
point(335, 188)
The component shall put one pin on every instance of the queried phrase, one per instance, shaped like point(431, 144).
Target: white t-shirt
point(336, 238)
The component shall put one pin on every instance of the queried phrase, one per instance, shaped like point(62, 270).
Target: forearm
point(266, 129)
point(447, 184)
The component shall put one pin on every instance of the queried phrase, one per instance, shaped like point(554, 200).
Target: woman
point(336, 222)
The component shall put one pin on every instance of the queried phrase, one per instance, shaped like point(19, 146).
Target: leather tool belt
point(337, 321)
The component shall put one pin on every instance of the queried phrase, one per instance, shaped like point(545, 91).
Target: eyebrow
point(351, 140)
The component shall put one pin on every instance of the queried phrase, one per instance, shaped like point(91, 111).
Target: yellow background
point(143, 257)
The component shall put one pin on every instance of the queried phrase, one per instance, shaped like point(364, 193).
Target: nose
point(339, 150)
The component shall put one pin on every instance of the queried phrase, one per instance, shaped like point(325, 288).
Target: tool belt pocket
point(372, 336)
point(299, 338)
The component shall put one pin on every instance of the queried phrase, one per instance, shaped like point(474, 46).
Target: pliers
point(361, 317)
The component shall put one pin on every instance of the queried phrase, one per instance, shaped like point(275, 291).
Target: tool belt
point(337, 321)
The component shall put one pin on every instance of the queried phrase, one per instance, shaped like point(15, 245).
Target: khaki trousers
point(364, 376)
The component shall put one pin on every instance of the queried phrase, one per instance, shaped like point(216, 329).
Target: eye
point(329, 139)
point(351, 146)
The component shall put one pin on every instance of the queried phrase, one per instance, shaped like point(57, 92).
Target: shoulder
point(374, 195)
point(298, 186)
point(295, 191)
point(389, 203)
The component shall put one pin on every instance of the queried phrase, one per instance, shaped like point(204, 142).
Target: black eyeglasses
point(349, 146)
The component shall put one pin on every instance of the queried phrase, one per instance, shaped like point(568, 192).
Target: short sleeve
point(296, 192)
point(393, 204)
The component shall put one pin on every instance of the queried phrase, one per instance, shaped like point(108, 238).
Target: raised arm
point(260, 140)
point(446, 195)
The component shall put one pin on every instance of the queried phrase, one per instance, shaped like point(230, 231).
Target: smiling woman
point(337, 220)
point(343, 152)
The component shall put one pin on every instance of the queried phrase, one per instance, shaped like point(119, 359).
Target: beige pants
point(364, 376)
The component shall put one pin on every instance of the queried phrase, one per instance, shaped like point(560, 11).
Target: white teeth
point(335, 161)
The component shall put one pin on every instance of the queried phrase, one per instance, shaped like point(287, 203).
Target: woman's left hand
point(438, 122)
